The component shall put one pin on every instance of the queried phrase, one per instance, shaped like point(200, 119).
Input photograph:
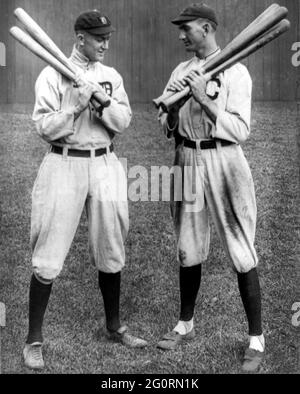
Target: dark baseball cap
point(94, 23)
point(195, 11)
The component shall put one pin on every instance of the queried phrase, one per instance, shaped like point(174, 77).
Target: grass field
point(73, 330)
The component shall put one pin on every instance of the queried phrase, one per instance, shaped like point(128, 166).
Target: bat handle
point(102, 99)
point(167, 100)
point(98, 107)
point(161, 98)
point(167, 103)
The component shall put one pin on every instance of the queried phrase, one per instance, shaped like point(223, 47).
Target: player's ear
point(80, 38)
point(206, 28)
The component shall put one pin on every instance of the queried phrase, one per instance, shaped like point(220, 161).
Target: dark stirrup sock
point(250, 293)
point(110, 285)
point(39, 294)
point(189, 282)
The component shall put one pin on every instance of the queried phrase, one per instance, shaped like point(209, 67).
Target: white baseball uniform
point(223, 178)
point(65, 184)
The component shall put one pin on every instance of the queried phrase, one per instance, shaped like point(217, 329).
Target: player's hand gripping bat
point(39, 43)
point(260, 32)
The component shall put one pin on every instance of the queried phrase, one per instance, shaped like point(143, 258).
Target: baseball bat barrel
point(276, 31)
point(29, 43)
point(269, 18)
point(266, 14)
point(254, 32)
point(38, 34)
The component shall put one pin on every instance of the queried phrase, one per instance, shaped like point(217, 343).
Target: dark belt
point(80, 153)
point(208, 144)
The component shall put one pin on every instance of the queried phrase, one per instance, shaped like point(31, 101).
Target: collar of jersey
point(80, 60)
point(212, 55)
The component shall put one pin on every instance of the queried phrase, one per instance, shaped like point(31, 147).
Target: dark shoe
point(127, 339)
point(33, 357)
point(252, 360)
point(172, 339)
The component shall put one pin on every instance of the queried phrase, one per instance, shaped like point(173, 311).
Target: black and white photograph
point(149, 190)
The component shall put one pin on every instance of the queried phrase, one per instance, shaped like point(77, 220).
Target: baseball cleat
point(127, 339)
point(172, 339)
point(252, 360)
point(33, 357)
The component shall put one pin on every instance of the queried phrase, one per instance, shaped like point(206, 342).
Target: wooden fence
point(145, 47)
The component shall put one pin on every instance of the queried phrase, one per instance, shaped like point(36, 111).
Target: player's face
point(192, 35)
point(94, 47)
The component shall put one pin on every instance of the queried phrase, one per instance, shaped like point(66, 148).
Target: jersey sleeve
point(117, 116)
point(51, 121)
point(162, 116)
point(233, 123)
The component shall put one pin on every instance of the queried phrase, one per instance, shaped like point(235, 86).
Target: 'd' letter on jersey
point(107, 86)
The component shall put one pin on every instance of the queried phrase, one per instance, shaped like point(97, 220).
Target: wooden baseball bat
point(267, 13)
point(243, 41)
point(277, 30)
point(38, 34)
point(259, 26)
point(28, 42)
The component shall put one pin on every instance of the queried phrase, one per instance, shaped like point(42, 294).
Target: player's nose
point(105, 44)
point(182, 35)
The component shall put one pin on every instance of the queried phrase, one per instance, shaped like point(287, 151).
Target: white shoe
point(33, 357)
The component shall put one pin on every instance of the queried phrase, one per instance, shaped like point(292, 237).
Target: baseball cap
point(195, 11)
point(94, 23)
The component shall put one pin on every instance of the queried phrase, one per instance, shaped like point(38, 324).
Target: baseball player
point(209, 128)
point(80, 171)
